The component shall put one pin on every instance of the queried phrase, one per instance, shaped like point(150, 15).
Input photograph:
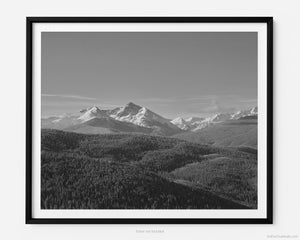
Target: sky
point(171, 73)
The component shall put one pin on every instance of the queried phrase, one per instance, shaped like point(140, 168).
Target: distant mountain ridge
point(129, 118)
point(241, 132)
point(135, 118)
point(195, 124)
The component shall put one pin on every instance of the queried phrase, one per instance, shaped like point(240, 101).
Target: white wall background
point(286, 116)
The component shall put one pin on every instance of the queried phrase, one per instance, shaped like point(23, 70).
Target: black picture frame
point(29, 111)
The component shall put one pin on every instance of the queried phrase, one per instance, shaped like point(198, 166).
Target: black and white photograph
point(150, 120)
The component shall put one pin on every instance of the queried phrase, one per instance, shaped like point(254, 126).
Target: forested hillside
point(126, 171)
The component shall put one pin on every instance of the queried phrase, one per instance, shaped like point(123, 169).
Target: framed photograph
point(149, 120)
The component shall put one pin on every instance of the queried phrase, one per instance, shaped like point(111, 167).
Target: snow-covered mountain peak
point(220, 117)
point(178, 120)
point(181, 123)
point(244, 113)
point(126, 111)
point(92, 112)
point(196, 123)
point(94, 109)
point(130, 108)
point(140, 116)
point(133, 105)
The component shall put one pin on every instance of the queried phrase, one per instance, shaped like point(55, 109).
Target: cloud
point(69, 96)
point(204, 98)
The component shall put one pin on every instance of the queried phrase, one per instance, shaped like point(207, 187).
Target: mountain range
point(195, 124)
point(238, 129)
point(129, 118)
point(133, 118)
